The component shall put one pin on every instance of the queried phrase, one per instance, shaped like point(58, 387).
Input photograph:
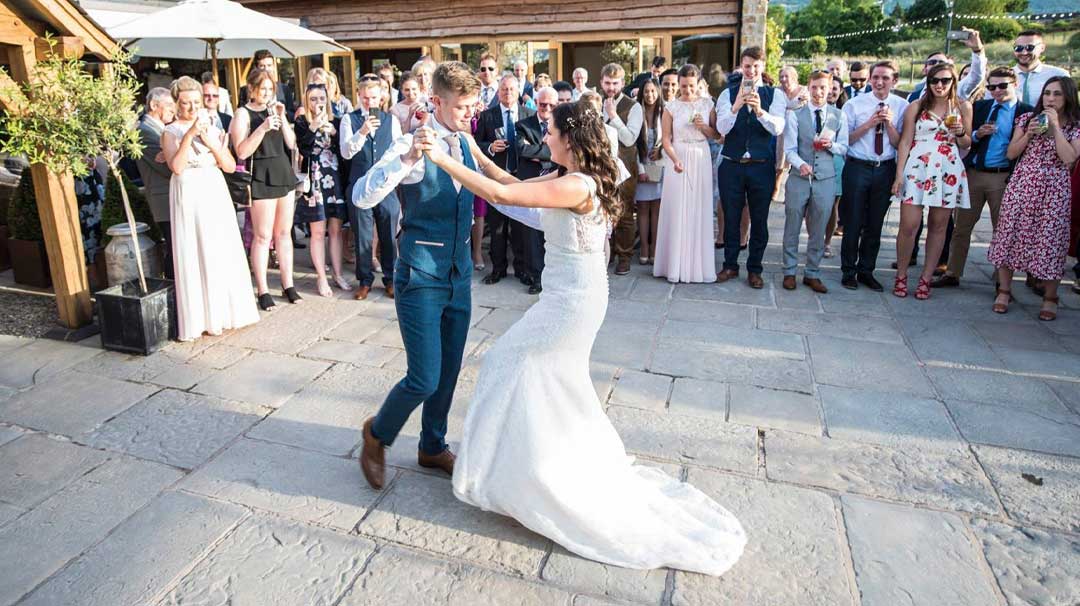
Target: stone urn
point(120, 254)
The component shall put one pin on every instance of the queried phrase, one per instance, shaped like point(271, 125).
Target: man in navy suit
point(858, 80)
point(988, 167)
point(497, 137)
point(434, 273)
point(534, 159)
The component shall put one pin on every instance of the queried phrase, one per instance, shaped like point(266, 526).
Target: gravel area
point(24, 315)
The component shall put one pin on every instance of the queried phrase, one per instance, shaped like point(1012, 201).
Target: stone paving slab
point(851, 326)
point(734, 291)
point(1018, 336)
point(73, 519)
point(36, 466)
point(904, 555)
point(8, 434)
point(221, 356)
point(690, 440)
point(263, 378)
point(1012, 391)
point(860, 364)
point(946, 341)
point(421, 511)
point(700, 362)
point(889, 419)
point(73, 403)
point(699, 399)
point(1032, 566)
point(141, 557)
point(399, 576)
point(268, 560)
point(35, 362)
point(288, 330)
point(723, 314)
point(733, 340)
point(566, 569)
point(642, 390)
point(944, 480)
point(1067, 392)
point(177, 428)
point(358, 329)
point(786, 527)
point(9, 513)
point(302, 485)
point(1036, 488)
point(1002, 426)
point(772, 408)
point(357, 354)
point(1052, 365)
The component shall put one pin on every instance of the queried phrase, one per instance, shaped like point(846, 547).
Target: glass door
point(343, 65)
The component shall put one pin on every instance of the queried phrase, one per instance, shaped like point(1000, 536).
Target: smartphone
point(958, 35)
point(748, 84)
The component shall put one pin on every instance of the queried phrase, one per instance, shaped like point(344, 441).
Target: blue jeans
point(433, 316)
point(742, 184)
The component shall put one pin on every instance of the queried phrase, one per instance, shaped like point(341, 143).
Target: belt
point(745, 160)
point(871, 163)
point(992, 170)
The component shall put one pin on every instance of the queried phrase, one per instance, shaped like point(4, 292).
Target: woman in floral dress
point(1032, 234)
point(930, 172)
point(321, 206)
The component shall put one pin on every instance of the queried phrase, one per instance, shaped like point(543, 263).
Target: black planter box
point(5, 256)
point(31, 262)
point(134, 323)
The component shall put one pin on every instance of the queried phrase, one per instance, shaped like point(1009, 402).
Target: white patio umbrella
point(209, 29)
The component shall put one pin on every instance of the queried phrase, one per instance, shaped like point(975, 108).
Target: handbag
point(303, 178)
point(654, 172)
point(238, 183)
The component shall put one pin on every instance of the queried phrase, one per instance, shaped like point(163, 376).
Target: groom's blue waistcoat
point(436, 223)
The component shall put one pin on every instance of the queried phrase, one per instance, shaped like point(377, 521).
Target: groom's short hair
point(454, 78)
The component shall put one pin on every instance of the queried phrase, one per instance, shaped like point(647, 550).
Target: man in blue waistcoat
point(433, 274)
point(750, 115)
point(366, 134)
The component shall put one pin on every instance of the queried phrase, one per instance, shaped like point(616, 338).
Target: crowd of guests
point(701, 173)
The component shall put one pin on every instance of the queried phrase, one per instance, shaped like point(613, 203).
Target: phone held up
point(958, 35)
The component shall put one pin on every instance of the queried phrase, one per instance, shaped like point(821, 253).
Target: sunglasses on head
point(935, 81)
point(316, 86)
point(1019, 48)
point(933, 62)
point(999, 86)
point(370, 78)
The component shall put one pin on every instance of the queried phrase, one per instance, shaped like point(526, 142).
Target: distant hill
point(1036, 6)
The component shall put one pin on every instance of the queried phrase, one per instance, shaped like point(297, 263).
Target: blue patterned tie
point(511, 143)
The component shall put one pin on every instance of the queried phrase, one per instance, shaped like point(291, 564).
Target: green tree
point(825, 17)
point(816, 45)
point(774, 36)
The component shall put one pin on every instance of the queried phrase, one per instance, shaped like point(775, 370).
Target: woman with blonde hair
point(213, 285)
point(260, 132)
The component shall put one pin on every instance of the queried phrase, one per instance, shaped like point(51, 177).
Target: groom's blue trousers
point(433, 316)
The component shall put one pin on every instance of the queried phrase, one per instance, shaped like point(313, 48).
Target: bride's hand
point(428, 142)
point(678, 165)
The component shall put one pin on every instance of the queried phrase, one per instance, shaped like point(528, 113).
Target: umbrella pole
point(213, 60)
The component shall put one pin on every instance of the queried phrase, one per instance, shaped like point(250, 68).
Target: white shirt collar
point(811, 105)
point(439, 129)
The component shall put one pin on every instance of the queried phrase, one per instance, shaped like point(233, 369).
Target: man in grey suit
point(160, 110)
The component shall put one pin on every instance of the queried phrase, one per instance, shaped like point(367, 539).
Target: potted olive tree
point(65, 117)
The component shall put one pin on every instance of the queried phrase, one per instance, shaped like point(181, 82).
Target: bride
point(537, 444)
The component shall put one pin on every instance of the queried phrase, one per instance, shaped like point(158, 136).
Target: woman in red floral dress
point(1033, 229)
point(930, 172)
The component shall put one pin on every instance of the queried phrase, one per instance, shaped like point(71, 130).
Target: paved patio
point(878, 451)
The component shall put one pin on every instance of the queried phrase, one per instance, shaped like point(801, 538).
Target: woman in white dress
point(684, 238)
point(538, 445)
point(213, 283)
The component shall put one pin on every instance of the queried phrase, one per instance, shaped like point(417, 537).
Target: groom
point(433, 276)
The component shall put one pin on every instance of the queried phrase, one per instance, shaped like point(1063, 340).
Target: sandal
point(1048, 315)
point(643, 260)
point(291, 294)
point(266, 302)
point(1000, 308)
point(342, 283)
point(899, 288)
point(922, 291)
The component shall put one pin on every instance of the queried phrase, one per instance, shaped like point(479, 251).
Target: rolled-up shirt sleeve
point(773, 120)
point(725, 120)
point(389, 172)
point(840, 141)
point(791, 141)
point(530, 216)
point(975, 75)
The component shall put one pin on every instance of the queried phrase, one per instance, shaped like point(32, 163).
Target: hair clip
point(571, 122)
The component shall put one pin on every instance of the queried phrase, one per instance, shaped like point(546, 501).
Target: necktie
point(879, 138)
point(985, 145)
point(453, 142)
point(487, 96)
point(1025, 96)
point(511, 143)
point(817, 121)
point(543, 129)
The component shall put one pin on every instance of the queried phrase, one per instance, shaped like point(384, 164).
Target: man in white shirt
point(626, 116)
point(1031, 72)
point(750, 116)
point(580, 78)
point(975, 74)
point(489, 81)
point(875, 121)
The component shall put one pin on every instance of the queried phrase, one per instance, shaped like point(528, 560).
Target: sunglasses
point(859, 80)
point(487, 69)
point(210, 96)
point(370, 78)
point(933, 62)
point(936, 81)
point(1019, 48)
point(999, 86)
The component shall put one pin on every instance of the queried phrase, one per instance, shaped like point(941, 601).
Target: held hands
point(427, 142)
point(419, 145)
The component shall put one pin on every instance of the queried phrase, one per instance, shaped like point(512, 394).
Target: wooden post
point(232, 81)
point(59, 212)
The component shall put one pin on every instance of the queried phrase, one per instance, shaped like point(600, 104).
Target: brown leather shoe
point(815, 285)
point(361, 293)
point(789, 282)
point(390, 291)
point(373, 457)
point(444, 461)
point(754, 280)
point(727, 274)
point(945, 281)
point(622, 266)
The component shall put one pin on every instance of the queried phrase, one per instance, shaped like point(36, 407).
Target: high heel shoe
point(342, 283)
point(899, 288)
point(291, 294)
point(266, 302)
point(1000, 308)
point(922, 291)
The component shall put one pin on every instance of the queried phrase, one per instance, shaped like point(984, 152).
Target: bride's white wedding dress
point(538, 446)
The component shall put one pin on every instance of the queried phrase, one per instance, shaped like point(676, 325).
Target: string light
point(899, 26)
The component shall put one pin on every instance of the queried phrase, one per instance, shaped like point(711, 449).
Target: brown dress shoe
point(754, 280)
point(373, 457)
point(444, 461)
point(622, 266)
point(789, 282)
point(727, 274)
point(390, 291)
point(945, 281)
point(361, 293)
point(815, 285)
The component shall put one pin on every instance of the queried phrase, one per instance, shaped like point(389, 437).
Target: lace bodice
point(573, 232)
point(682, 114)
point(199, 155)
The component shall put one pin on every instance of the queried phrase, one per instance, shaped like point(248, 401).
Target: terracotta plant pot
point(5, 256)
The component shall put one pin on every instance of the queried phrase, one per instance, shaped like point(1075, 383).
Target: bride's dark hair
point(583, 129)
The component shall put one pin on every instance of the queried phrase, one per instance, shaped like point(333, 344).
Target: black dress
point(319, 160)
point(272, 174)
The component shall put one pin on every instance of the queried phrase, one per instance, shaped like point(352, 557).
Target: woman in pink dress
point(684, 236)
point(930, 172)
point(1032, 234)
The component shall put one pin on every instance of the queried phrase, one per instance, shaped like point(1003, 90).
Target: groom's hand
point(418, 145)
